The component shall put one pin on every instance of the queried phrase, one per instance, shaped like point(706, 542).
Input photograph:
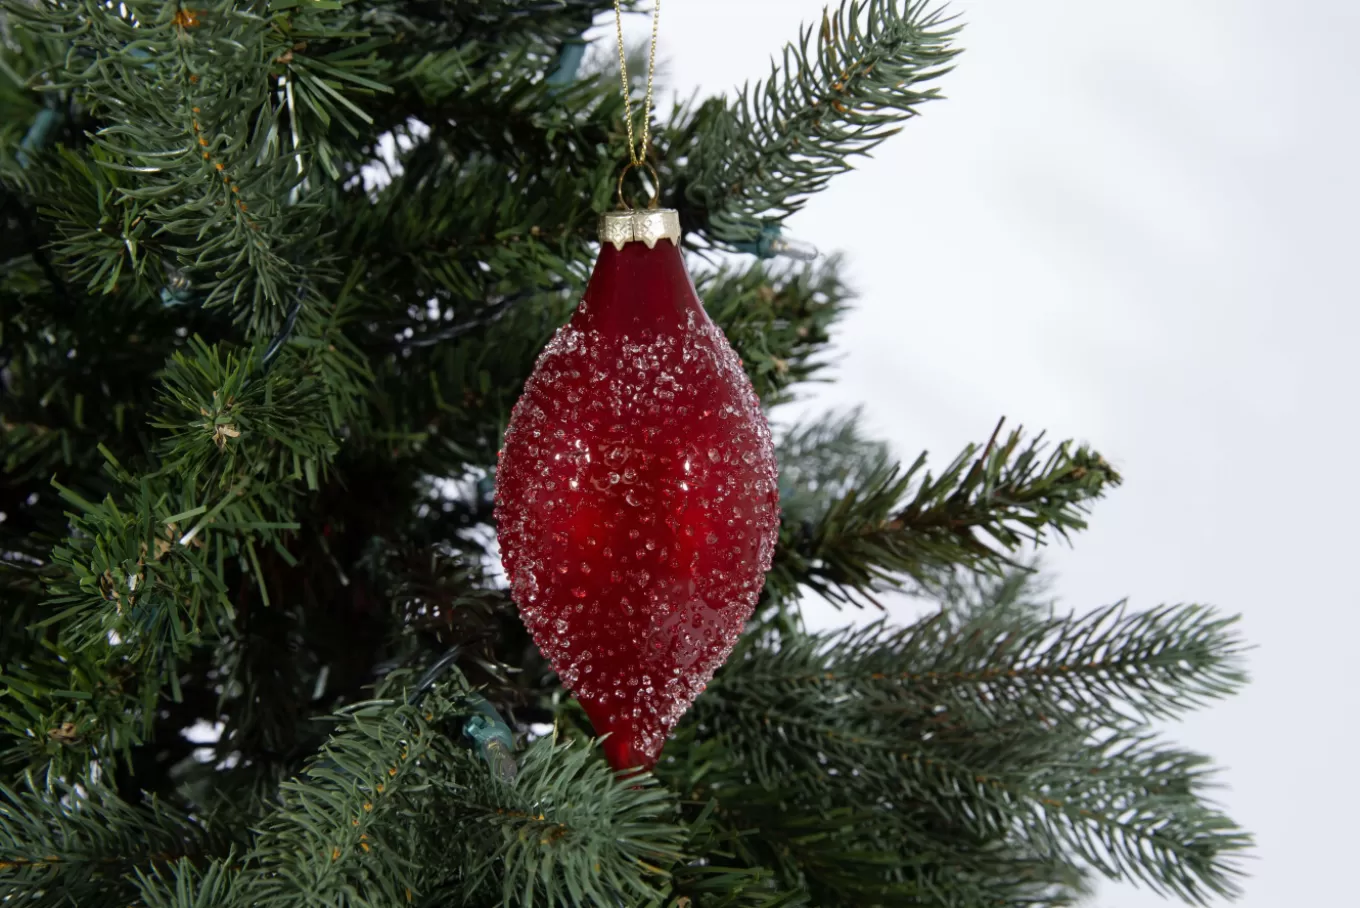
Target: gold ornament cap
point(640, 225)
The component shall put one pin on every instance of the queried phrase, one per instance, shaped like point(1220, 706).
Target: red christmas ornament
point(636, 497)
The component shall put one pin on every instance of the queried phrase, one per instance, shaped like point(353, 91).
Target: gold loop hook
point(655, 200)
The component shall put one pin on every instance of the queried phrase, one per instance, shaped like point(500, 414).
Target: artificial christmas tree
point(274, 275)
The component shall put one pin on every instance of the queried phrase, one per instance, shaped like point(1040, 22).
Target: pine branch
point(63, 845)
point(570, 832)
point(183, 885)
point(758, 160)
point(211, 409)
point(454, 418)
point(461, 94)
point(1137, 666)
point(717, 874)
point(822, 461)
point(544, 18)
point(1139, 821)
point(181, 167)
point(847, 846)
point(63, 707)
point(425, 236)
point(324, 57)
point(1112, 667)
point(446, 594)
point(72, 381)
point(1008, 727)
point(146, 578)
point(358, 828)
point(778, 320)
point(898, 523)
point(345, 833)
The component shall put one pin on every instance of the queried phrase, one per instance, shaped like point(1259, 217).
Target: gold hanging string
point(637, 152)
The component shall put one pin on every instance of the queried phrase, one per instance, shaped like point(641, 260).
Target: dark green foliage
point(857, 523)
point(272, 275)
point(570, 832)
point(393, 810)
point(841, 90)
point(958, 760)
point(64, 845)
point(780, 320)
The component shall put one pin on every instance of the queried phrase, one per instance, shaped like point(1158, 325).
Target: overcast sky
point(1135, 224)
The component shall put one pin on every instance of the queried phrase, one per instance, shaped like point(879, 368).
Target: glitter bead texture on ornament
point(636, 497)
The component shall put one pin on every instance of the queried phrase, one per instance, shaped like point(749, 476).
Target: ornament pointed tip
point(625, 754)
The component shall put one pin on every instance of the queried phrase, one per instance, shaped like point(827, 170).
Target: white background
point(1135, 224)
